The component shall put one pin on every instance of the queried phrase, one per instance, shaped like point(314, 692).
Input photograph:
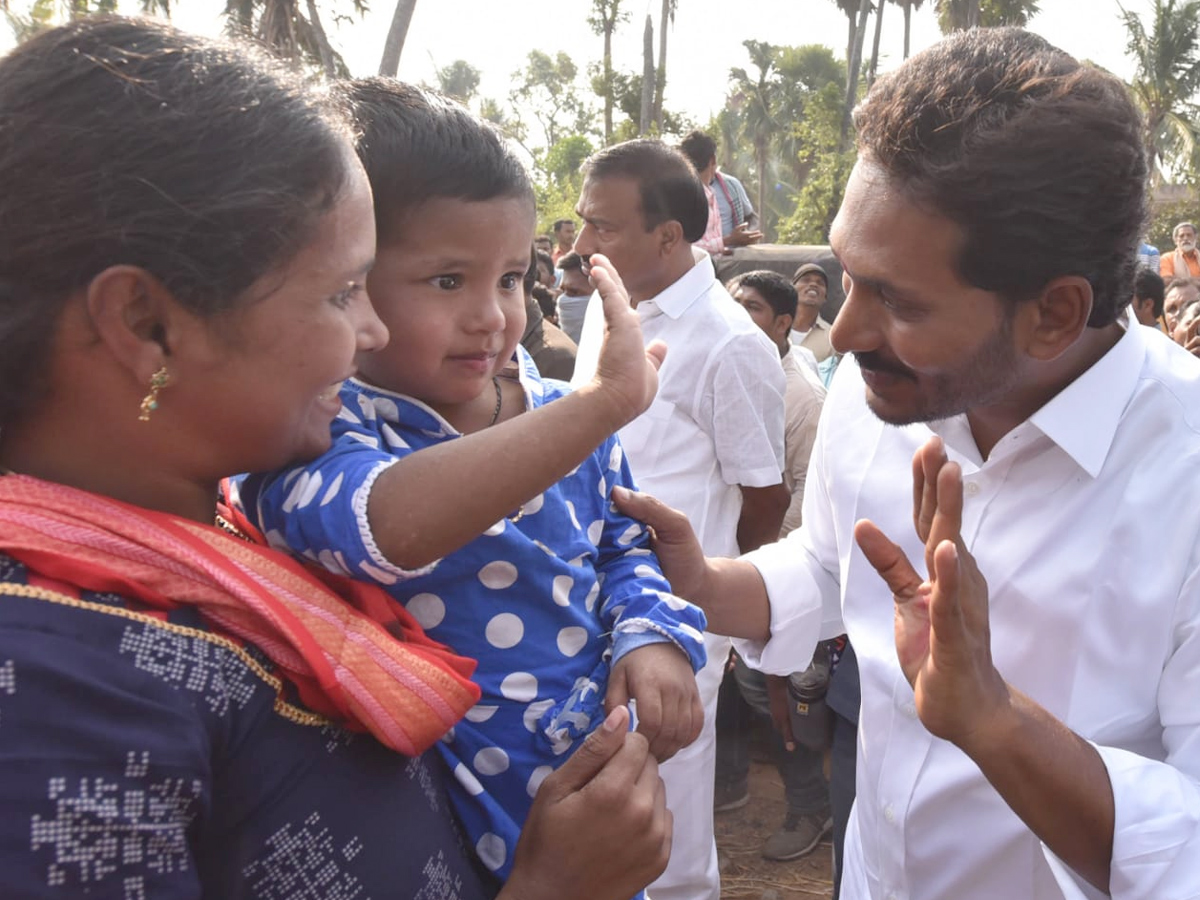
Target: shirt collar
point(678, 297)
point(1082, 418)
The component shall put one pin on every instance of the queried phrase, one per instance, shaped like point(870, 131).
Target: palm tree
point(660, 82)
point(956, 15)
point(1167, 78)
point(908, 6)
point(286, 31)
point(647, 109)
point(874, 66)
point(393, 44)
point(853, 64)
point(759, 122)
point(606, 15)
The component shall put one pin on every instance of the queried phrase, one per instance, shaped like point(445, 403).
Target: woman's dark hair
point(667, 183)
point(129, 142)
point(417, 146)
point(1037, 157)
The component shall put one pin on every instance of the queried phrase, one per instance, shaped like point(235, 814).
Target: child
point(561, 601)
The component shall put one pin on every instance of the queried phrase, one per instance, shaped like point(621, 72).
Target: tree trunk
point(874, 46)
point(389, 64)
point(850, 17)
point(761, 152)
point(852, 67)
point(972, 13)
point(907, 25)
point(608, 82)
point(314, 18)
point(647, 77)
point(660, 82)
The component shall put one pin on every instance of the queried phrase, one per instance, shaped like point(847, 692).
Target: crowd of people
point(349, 594)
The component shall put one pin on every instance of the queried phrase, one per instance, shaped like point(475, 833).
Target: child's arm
point(398, 511)
point(438, 500)
point(658, 641)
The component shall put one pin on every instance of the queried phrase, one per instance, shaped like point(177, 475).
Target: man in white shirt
point(809, 330)
point(1037, 734)
point(712, 441)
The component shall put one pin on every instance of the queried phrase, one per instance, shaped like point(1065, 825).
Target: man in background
point(809, 330)
point(739, 221)
point(711, 444)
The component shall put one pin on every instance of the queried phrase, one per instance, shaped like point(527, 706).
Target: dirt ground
point(745, 875)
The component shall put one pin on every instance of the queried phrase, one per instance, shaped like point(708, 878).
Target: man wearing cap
point(809, 330)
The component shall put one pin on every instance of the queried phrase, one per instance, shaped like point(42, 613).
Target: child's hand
point(627, 371)
point(659, 677)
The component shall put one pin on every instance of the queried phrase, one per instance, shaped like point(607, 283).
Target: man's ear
point(135, 315)
point(781, 327)
point(670, 235)
point(1056, 319)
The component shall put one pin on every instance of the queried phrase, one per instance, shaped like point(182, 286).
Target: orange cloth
point(353, 654)
point(1166, 265)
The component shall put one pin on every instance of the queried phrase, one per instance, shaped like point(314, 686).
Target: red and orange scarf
point(354, 655)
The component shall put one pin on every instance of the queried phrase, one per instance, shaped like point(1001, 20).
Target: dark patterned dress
point(145, 757)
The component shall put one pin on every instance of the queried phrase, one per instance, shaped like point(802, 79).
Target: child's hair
point(417, 145)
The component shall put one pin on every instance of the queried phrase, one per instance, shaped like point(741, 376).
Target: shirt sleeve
point(801, 576)
point(1156, 838)
point(319, 510)
point(737, 186)
point(801, 433)
point(712, 242)
point(636, 602)
point(747, 412)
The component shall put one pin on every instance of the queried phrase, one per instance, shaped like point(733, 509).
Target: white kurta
point(1084, 521)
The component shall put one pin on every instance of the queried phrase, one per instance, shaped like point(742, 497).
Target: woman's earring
point(158, 381)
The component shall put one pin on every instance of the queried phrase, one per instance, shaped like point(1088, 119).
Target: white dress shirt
point(1084, 520)
point(717, 421)
point(715, 424)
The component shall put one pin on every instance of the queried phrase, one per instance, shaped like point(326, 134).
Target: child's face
point(448, 287)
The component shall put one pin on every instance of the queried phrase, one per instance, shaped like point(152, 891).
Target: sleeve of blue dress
point(636, 602)
point(319, 510)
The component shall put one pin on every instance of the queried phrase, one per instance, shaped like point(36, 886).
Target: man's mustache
point(873, 362)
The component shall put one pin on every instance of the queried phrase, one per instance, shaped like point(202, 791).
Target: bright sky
point(495, 36)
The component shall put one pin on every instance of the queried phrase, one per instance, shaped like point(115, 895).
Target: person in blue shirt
point(561, 601)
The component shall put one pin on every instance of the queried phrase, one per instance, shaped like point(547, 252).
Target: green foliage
point(952, 14)
point(562, 161)
point(828, 168)
point(1167, 56)
point(772, 137)
point(1166, 216)
point(459, 80)
point(547, 87)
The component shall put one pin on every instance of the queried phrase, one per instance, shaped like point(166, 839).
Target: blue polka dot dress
point(547, 599)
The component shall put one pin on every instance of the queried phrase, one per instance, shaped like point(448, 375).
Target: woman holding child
point(183, 711)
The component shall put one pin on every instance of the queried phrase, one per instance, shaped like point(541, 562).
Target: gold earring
point(158, 381)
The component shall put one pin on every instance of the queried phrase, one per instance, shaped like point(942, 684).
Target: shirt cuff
point(1156, 837)
point(797, 609)
point(380, 567)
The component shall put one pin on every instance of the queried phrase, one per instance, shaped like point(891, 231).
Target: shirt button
point(971, 488)
point(889, 815)
point(910, 710)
